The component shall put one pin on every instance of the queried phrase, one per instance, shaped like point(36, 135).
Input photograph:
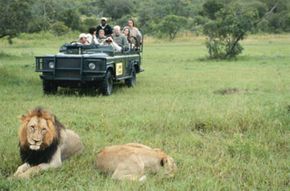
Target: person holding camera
point(108, 41)
point(111, 42)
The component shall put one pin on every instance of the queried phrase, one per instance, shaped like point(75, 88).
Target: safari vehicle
point(88, 66)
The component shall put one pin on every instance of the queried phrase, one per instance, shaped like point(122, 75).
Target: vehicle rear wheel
point(107, 84)
point(131, 82)
point(49, 87)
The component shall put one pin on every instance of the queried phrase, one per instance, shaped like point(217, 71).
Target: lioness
point(131, 161)
point(44, 143)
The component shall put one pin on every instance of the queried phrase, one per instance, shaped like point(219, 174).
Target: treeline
point(161, 18)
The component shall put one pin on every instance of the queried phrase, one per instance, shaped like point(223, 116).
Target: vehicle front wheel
point(49, 87)
point(106, 87)
point(131, 82)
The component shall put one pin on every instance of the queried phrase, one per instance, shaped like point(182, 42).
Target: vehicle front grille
point(68, 68)
point(67, 74)
point(68, 63)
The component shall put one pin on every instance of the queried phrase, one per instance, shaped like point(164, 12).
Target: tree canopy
point(163, 18)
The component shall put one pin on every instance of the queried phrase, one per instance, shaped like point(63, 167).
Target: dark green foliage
point(279, 22)
point(71, 19)
point(59, 28)
point(230, 26)
point(14, 17)
point(210, 8)
point(151, 15)
point(88, 23)
point(116, 8)
point(170, 25)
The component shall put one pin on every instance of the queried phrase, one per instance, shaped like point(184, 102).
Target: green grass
point(234, 141)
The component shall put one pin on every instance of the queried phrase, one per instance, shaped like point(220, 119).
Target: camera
point(108, 40)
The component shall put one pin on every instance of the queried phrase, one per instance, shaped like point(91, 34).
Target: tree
point(71, 19)
point(171, 25)
point(230, 26)
point(210, 8)
point(14, 17)
point(116, 9)
point(152, 12)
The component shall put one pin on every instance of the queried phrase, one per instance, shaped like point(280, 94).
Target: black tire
point(131, 82)
point(106, 87)
point(49, 87)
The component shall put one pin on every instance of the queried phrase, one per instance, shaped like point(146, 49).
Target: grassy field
point(226, 123)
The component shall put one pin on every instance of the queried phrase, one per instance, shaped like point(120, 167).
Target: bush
point(171, 25)
point(225, 32)
point(59, 28)
point(88, 23)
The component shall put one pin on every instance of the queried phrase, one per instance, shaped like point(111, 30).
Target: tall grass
point(225, 122)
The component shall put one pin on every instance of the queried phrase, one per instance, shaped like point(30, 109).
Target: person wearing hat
point(107, 28)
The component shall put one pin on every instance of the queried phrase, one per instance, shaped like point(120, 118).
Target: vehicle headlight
point(92, 66)
point(51, 65)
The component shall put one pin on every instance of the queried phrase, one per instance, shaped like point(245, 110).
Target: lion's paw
point(21, 169)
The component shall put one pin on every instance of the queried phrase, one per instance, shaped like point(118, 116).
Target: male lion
point(131, 161)
point(44, 143)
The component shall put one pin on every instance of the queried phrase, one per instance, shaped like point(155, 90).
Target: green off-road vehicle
point(88, 66)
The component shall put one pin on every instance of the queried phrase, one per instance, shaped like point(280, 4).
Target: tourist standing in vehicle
point(91, 36)
point(120, 38)
point(134, 31)
point(107, 28)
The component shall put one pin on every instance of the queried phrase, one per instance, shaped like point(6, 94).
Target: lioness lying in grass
point(132, 161)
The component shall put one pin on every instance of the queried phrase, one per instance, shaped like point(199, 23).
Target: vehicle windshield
point(85, 49)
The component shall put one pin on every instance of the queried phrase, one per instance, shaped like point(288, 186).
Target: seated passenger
point(83, 39)
point(101, 36)
point(131, 39)
point(108, 41)
point(91, 36)
point(111, 42)
point(120, 38)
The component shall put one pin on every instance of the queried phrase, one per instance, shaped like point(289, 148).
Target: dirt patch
point(199, 126)
point(229, 91)
point(204, 127)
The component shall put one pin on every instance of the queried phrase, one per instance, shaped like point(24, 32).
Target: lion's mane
point(50, 141)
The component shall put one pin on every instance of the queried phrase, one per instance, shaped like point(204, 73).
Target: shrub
point(225, 32)
point(59, 28)
point(171, 25)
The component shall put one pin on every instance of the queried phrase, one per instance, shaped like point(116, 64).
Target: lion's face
point(37, 130)
point(169, 165)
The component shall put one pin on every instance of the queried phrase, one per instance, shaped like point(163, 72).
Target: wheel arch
point(110, 67)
